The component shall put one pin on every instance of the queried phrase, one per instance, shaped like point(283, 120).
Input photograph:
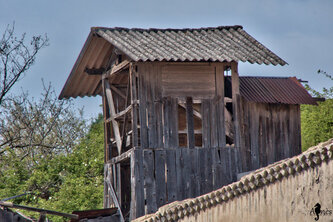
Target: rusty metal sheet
point(284, 90)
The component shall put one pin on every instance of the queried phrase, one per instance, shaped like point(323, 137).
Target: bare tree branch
point(39, 129)
point(16, 57)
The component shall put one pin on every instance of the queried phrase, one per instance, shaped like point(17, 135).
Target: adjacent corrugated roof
point(285, 90)
point(100, 215)
point(223, 43)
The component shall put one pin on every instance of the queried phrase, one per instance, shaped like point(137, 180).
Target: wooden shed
point(179, 121)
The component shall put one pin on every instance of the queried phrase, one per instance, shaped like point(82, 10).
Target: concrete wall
point(284, 191)
point(288, 200)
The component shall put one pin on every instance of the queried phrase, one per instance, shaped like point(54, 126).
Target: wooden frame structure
point(151, 123)
point(170, 143)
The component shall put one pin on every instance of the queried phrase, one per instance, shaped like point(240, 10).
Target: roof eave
point(76, 65)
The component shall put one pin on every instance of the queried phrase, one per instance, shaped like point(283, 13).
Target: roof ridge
point(311, 158)
point(166, 29)
point(266, 77)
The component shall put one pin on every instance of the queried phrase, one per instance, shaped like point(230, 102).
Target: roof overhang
point(94, 55)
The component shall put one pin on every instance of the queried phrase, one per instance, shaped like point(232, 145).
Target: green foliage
point(317, 121)
point(67, 182)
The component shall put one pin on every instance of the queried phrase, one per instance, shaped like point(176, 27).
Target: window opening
point(182, 128)
point(228, 111)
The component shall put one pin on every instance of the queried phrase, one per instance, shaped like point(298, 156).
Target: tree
point(65, 183)
point(43, 144)
point(39, 129)
point(79, 175)
point(317, 121)
point(16, 57)
point(33, 132)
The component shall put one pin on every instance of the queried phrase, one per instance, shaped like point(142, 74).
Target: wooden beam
point(134, 98)
point(115, 199)
point(107, 126)
point(119, 114)
point(117, 69)
point(124, 156)
point(94, 71)
point(198, 131)
point(227, 100)
point(11, 205)
point(220, 117)
point(190, 122)
point(120, 67)
point(196, 113)
point(115, 124)
point(235, 92)
point(137, 208)
point(118, 92)
point(128, 93)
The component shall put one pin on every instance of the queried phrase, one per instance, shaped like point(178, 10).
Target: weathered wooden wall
point(196, 80)
point(160, 176)
point(269, 133)
point(163, 86)
point(179, 124)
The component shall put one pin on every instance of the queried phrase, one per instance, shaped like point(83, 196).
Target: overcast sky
point(299, 31)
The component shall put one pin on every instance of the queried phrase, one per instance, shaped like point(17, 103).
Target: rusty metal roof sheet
point(223, 43)
point(285, 90)
point(100, 215)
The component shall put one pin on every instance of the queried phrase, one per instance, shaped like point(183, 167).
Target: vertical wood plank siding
point(269, 132)
point(158, 109)
point(161, 176)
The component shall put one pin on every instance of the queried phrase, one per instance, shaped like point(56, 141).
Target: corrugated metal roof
point(94, 54)
point(101, 215)
point(285, 90)
point(223, 43)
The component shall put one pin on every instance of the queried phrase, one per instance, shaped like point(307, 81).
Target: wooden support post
point(134, 104)
point(220, 105)
point(190, 122)
point(115, 199)
point(118, 181)
point(42, 217)
point(118, 92)
point(142, 92)
point(236, 100)
point(107, 129)
point(166, 121)
point(121, 113)
point(115, 124)
point(173, 125)
point(137, 185)
point(235, 92)
point(124, 136)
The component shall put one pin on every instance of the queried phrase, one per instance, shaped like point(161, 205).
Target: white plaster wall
point(290, 199)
